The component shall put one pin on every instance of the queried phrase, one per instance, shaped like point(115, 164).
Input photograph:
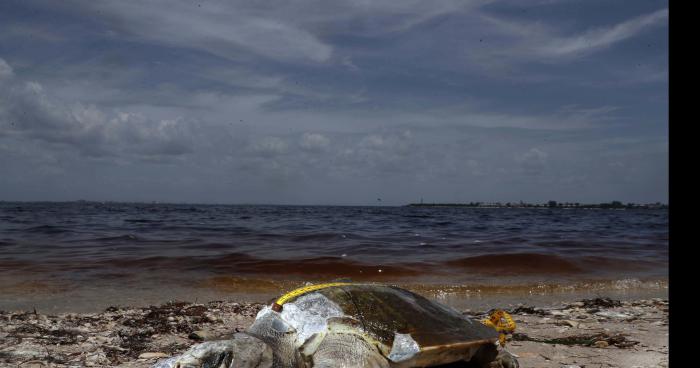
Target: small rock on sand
point(569, 323)
point(202, 335)
point(153, 355)
point(612, 314)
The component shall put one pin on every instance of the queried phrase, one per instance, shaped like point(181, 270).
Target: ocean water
point(87, 255)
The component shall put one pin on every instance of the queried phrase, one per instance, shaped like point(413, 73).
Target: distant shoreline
point(552, 204)
point(611, 205)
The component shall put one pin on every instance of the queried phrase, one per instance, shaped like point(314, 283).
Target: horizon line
point(326, 205)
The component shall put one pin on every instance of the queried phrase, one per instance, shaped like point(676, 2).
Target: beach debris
point(153, 355)
point(521, 309)
point(97, 358)
point(170, 317)
point(569, 323)
point(618, 340)
point(558, 313)
point(57, 336)
point(612, 314)
point(202, 335)
point(601, 303)
point(118, 336)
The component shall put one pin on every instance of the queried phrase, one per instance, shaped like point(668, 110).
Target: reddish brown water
point(70, 256)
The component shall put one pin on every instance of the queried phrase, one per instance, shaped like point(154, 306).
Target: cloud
point(599, 38)
point(269, 147)
point(215, 27)
point(381, 154)
point(28, 111)
point(534, 156)
point(517, 42)
point(400, 16)
point(314, 142)
point(329, 101)
point(5, 70)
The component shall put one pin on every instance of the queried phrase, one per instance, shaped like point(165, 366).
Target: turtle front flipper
point(242, 351)
point(347, 350)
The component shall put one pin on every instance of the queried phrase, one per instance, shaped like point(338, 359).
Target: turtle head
point(278, 334)
point(241, 351)
point(249, 352)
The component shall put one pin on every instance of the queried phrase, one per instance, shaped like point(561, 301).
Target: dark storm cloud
point(334, 101)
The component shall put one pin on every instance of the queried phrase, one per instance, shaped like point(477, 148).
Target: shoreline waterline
point(90, 297)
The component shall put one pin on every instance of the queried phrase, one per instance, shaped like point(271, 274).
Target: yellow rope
point(303, 290)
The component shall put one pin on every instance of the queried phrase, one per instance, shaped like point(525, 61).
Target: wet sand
point(598, 332)
point(53, 296)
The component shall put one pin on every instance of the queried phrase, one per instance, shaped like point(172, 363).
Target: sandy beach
point(598, 332)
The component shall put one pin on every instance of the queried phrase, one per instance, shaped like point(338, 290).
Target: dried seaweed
point(55, 337)
point(617, 340)
point(601, 303)
point(528, 310)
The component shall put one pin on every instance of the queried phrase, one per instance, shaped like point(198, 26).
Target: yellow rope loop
point(502, 322)
point(277, 305)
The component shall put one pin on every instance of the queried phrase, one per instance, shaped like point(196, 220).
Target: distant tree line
point(548, 204)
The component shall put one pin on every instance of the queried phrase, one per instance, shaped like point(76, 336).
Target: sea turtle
point(354, 326)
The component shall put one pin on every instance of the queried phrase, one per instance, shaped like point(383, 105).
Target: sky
point(334, 102)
